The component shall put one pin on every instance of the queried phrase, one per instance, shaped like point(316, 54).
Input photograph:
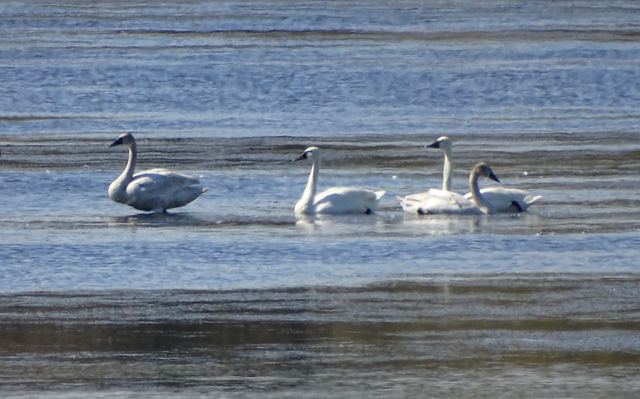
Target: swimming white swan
point(448, 202)
point(435, 199)
point(500, 199)
point(335, 200)
point(151, 190)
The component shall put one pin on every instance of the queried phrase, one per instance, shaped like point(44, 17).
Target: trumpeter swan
point(151, 190)
point(448, 202)
point(335, 200)
point(434, 199)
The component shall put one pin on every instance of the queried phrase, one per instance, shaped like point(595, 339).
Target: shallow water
point(231, 296)
point(508, 335)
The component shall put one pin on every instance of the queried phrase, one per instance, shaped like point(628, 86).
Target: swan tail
point(409, 204)
point(404, 201)
point(380, 194)
point(530, 199)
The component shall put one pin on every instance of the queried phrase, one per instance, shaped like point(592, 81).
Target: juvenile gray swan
point(335, 200)
point(153, 190)
point(451, 203)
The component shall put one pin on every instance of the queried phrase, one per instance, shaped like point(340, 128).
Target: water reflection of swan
point(151, 190)
point(448, 202)
point(335, 200)
point(500, 199)
point(157, 220)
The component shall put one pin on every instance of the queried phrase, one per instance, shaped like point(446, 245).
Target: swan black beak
point(435, 144)
point(492, 176)
point(301, 157)
point(117, 142)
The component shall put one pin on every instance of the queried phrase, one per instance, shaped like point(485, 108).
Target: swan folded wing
point(437, 201)
point(502, 199)
point(173, 179)
point(412, 202)
point(161, 189)
point(416, 198)
point(338, 200)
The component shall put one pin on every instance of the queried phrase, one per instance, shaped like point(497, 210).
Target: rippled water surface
point(231, 295)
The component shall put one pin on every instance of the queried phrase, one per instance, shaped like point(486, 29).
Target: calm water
point(231, 296)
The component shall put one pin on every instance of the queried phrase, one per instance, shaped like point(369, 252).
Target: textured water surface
point(517, 335)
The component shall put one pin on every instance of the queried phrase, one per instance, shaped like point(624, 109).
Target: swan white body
point(504, 199)
point(499, 199)
point(154, 190)
point(335, 200)
point(437, 201)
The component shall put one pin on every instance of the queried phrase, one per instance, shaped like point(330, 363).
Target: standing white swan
point(448, 202)
point(500, 199)
point(151, 190)
point(335, 200)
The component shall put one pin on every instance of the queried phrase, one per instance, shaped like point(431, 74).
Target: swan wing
point(161, 189)
point(419, 197)
point(172, 178)
point(437, 201)
point(411, 203)
point(339, 200)
point(502, 199)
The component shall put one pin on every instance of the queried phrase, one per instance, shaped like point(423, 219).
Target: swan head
point(443, 143)
point(311, 153)
point(482, 169)
point(124, 138)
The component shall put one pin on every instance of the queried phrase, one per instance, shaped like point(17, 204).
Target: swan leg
point(516, 206)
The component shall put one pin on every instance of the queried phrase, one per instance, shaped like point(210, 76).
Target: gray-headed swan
point(503, 199)
point(448, 202)
point(151, 190)
point(335, 200)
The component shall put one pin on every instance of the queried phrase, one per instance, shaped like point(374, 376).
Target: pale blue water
point(315, 69)
point(547, 92)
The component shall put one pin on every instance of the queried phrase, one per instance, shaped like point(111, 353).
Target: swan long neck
point(447, 170)
point(309, 193)
point(478, 199)
point(127, 174)
point(118, 188)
